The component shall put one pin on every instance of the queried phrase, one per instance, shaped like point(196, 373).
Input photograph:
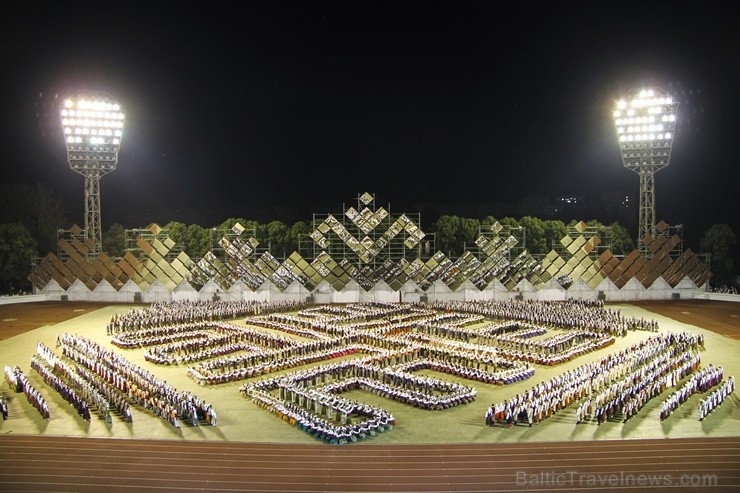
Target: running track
point(80, 464)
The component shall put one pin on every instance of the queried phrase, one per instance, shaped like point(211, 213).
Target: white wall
point(28, 298)
point(410, 293)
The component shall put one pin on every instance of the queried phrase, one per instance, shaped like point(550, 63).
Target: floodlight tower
point(93, 128)
point(645, 122)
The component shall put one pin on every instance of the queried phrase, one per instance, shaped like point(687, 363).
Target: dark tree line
point(455, 234)
point(29, 219)
point(31, 215)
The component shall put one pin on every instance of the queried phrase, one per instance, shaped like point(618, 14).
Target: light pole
point(93, 127)
point(645, 122)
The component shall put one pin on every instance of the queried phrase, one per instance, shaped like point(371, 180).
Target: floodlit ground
point(240, 420)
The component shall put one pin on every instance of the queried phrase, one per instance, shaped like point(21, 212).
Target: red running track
point(30, 463)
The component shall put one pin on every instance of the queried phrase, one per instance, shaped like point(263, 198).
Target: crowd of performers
point(309, 400)
point(701, 381)
point(78, 386)
point(139, 385)
point(389, 335)
point(619, 383)
point(161, 314)
point(608, 392)
point(62, 388)
point(628, 395)
point(325, 429)
point(189, 343)
point(18, 381)
point(716, 397)
point(104, 382)
point(389, 342)
point(582, 314)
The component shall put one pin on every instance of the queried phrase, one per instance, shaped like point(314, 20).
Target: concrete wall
point(28, 298)
point(719, 297)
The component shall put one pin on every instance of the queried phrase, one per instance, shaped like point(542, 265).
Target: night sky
point(275, 110)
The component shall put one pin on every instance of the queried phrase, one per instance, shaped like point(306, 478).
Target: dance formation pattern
point(300, 361)
point(389, 349)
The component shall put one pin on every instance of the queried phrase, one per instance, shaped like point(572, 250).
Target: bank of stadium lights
point(92, 123)
point(645, 123)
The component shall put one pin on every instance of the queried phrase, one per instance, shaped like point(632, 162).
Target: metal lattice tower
point(645, 123)
point(93, 128)
point(93, 225)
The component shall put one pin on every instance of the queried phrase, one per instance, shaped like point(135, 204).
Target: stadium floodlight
point(93, 128)
point(646, 122)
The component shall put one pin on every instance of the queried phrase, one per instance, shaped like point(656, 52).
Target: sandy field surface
point(23, 325)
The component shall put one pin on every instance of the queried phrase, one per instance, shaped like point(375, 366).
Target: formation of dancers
point(378, 347)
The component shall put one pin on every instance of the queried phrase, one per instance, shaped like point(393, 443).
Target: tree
point(555, 231)
point(17, 250)
point(719, 242)
point(247, 224)
point(509, 221)
point(615, 236)
point(260, 234)
point(619, 239)
point(467, 234)
point(597, 225)
point(177, 232)
point(535, 241)
point(197, 241)
point(295, 232)
point(456, 234)
point(446, 228)
point(114, 240)
point(487, 222)
point(277, 236)
point(37, 209)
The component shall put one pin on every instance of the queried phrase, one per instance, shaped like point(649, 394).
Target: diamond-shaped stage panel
point(581, 227)
point(370, 246)
point(366, 198)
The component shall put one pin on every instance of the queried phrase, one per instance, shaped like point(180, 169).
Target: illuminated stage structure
point(646, 123)
point(368, 253)
point(93, 127)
